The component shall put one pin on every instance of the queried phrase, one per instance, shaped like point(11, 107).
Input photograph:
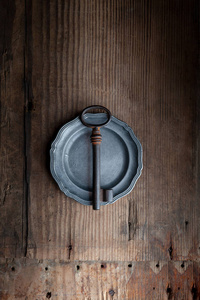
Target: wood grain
point(139, 59)
point(12, 193)
point(98, 281)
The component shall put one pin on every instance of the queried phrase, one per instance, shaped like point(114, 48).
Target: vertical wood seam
point(28, 105)
point(25, 202)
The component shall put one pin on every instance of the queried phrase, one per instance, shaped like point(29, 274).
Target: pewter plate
point(71, 158)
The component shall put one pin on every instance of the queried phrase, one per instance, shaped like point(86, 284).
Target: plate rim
point(74, 196)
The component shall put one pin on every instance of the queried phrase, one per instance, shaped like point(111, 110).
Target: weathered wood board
point(141, 60)
point(12, 131)
point(45, 279)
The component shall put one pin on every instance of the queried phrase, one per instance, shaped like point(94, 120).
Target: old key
point(96, 139)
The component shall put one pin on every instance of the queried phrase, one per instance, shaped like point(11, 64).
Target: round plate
point(71, 158)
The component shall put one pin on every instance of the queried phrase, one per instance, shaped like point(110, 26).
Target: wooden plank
point(139, 59)
point(41, 279)
point(81, 57)
point(12, 227)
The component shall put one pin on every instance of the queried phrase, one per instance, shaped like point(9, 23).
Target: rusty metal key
point(96, 139)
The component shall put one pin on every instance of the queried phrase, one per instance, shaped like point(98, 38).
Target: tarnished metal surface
point(71, 158)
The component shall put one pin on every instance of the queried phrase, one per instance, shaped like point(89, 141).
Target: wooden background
point(139, 58)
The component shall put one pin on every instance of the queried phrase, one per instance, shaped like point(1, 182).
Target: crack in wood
point(26, 178)
point(6, 192)
point(27, 123)
point(70, 250)
point(169, 293)
point(132, 220)
point(194, 292)
point(170, 249)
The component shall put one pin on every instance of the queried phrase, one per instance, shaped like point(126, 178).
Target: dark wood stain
point(11, 132)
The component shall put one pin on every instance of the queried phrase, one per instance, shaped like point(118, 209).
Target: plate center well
point(78, 159)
